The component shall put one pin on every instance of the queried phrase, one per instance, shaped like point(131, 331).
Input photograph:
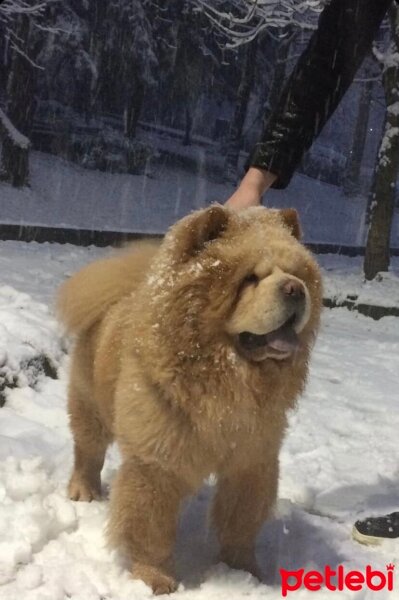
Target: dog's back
point(86, 296)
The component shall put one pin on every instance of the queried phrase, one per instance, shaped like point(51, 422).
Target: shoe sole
point(366, 540)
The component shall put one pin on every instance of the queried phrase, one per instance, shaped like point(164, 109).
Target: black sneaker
point(374, 530)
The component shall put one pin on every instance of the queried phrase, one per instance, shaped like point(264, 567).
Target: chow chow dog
point(188, 354)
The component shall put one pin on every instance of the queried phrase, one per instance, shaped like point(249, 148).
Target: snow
point(339, 462)
point(16, 136)
point(65, 195)
point(393, 109)
point(343, 277)
point(389, 136)
point(20, 354)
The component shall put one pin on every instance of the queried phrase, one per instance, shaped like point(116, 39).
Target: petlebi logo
point(337, 579)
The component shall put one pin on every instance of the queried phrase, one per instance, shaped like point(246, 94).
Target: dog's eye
point(248, 281)
point(251, 279)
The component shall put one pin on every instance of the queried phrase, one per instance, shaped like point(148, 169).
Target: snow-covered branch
point(10, 8)
point(7, 128)
point(19, 50)
point(246, 19)
point(11, 14)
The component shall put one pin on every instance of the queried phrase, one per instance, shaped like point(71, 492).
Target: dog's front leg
point(145, 502)
point(244, 499)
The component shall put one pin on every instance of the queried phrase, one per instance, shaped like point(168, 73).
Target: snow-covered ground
point(340, 460)
point(343, 278)
point(63, 194)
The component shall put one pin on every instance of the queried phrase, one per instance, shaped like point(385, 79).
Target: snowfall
point(340, 459)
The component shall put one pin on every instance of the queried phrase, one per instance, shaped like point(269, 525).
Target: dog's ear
point(291, 221)
point(199, 228)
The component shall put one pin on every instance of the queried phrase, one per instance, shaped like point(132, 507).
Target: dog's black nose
point(294, 289)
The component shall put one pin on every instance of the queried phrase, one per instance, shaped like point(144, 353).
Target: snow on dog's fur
point(189, 353)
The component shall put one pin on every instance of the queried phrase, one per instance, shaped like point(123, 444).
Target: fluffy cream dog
point(188, 353)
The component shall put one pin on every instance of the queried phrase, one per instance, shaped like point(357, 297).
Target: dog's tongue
point(283, 339)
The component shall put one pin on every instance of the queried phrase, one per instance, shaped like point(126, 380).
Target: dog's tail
point(86, 296)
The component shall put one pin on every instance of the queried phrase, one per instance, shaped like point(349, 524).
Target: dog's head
point(242, 278)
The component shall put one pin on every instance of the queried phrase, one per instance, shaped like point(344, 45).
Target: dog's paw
point(158, 580)
point(81, 490)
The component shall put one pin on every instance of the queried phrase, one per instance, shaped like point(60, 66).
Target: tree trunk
point(14, 163)
point(377, 256)
point(20, 97)
point(133, 109)
point(237, 124)
point(352, 179)
point(187, 126)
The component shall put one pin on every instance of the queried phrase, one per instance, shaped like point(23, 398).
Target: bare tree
point(377, 256)
point(122, 46)
point(352, 183)
point(237, 123)
point(18, 20)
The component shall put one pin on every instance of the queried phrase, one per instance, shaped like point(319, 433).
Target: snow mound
point(30, 342)
point(33, 512)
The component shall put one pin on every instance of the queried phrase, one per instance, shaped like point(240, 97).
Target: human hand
point(251, 189)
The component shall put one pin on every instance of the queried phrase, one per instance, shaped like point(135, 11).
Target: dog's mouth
point(280, 343)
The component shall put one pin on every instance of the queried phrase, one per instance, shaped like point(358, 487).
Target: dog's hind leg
point(91, 439)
